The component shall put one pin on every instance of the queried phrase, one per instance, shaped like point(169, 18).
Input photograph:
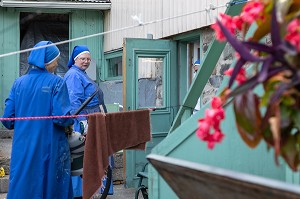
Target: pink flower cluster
point(293, 35)
point(231, 23)
point(251, 12)
point(240, 78)
point(211, 123)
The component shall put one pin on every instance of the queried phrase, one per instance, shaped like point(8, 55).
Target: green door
point(150, 81)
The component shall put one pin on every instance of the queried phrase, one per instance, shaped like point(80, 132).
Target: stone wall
point(118, 170)
point(223, 64)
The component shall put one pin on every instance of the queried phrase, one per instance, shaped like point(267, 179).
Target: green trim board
point(183, 80)
point(187, 36)
point(104, 70)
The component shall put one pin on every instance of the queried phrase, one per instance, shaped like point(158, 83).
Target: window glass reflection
point(115, 67)
point(150, 82)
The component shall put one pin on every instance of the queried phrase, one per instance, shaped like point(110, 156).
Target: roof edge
point(56, 4)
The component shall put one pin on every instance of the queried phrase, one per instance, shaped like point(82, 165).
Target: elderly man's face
point(83, 61)
point(196, 67)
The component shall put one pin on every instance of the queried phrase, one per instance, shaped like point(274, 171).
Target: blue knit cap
point(197, 63)
point(77, 50)
point(42, 56)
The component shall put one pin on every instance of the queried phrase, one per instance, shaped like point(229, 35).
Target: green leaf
point(267, 136)
point(270, 86)
point(296, 119)
point(290, 150)
point(248, 118)
point(294, 10)
point(285, 116)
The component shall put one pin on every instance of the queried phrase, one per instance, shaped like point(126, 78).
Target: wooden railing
point(192, 180)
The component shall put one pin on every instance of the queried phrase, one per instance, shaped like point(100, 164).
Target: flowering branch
point(278, 71)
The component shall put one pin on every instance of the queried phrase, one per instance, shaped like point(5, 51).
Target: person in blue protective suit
point(81, 87)
point(40, 158)
point(196, 66)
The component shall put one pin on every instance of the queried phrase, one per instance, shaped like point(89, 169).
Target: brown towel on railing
point(107, 135)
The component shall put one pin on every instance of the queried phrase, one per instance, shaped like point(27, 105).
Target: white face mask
point(194, 74)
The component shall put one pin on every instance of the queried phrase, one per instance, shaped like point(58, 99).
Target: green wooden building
point(152, 71)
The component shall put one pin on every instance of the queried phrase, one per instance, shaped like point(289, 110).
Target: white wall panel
point(178, 16)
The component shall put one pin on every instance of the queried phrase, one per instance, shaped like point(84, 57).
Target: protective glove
point(83, 127)
point(2, 172)
point(76, 142)
point(69, 130)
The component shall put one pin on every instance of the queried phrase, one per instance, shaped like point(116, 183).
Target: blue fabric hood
point(42, 56)
point(77, 50)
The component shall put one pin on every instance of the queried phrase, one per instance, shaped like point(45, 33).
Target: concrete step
point(4, 184)
point(120, 192)
point(5, 143)
point(4, 134)
point(5, 151)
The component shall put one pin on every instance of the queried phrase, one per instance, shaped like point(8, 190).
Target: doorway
point(35, 27)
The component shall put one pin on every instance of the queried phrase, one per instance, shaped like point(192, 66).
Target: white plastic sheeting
point(50, 31)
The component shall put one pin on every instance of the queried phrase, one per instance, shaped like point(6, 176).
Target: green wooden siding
point(84, 23)
point(9, 42)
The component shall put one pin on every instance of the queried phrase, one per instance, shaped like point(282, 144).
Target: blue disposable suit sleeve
point(61, 105)
point(9, 111)
point(76, 92)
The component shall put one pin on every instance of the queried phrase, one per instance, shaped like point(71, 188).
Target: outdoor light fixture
point(95, 5)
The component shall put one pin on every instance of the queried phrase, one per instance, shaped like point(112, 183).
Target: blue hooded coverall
point(81, 87)
point(40, 159)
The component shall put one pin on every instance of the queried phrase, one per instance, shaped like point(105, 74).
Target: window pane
point(114, 67)
point(150, 82)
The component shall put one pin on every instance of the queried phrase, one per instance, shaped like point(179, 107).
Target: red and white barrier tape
point(42, 117)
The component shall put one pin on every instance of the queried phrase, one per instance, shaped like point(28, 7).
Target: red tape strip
point(42, 117)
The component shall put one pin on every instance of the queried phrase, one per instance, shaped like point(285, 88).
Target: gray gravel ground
point(120, 192)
